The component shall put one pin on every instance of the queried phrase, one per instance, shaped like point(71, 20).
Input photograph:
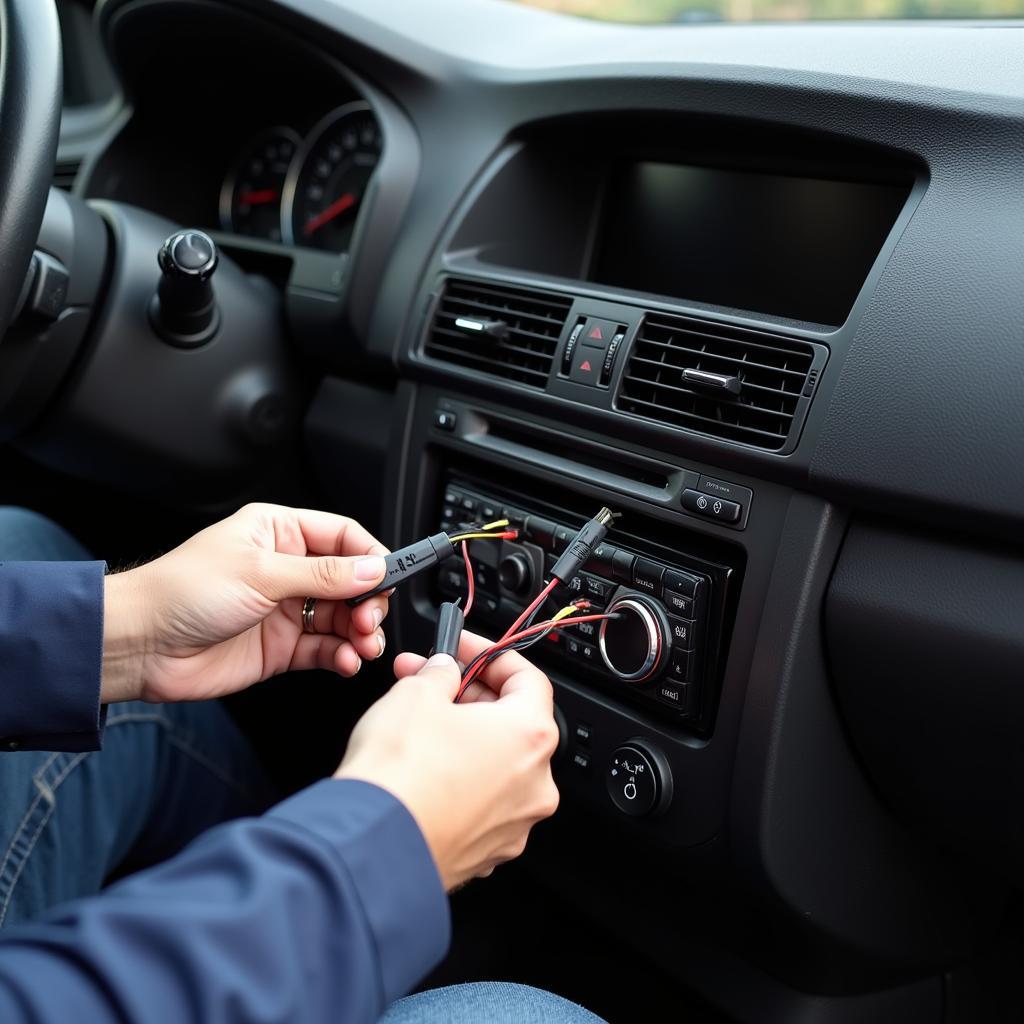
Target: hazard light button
point(586, 366)
point(598, 333)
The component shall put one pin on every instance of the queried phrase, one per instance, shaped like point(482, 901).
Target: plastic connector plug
point(410, 561)
point(581, 547)
point(450, 621)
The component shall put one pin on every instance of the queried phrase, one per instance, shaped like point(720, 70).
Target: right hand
point(476, 775)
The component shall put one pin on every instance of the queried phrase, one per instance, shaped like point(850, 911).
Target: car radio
point(661, 649)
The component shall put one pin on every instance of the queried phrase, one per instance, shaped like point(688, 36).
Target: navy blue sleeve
point(323, 911)
point(51, 655)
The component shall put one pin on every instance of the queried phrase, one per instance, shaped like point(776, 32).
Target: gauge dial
point(328, 178)
point(250, 199)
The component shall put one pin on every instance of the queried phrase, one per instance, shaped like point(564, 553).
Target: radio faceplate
point(662, 653)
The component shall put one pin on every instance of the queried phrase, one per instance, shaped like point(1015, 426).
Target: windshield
point(695, 11)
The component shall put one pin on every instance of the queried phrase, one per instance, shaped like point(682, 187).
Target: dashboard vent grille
point(64, 174)
point(758, 409)
point(517, 335)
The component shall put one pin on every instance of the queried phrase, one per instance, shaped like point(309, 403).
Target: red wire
point(470, 581)
point(535, 603)
point(506, 641)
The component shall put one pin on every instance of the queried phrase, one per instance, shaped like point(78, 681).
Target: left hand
point(224, 610)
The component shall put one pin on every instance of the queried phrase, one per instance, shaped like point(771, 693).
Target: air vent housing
point(762, 409)
point(516, 332)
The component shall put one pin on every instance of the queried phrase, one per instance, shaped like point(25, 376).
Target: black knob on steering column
point(184, 311)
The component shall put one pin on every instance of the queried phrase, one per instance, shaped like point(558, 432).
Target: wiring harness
point(410, 561)
point(524, 633)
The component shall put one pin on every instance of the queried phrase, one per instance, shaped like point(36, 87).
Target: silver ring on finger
point(308, 608)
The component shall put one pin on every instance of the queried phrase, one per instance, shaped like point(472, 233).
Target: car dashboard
point(755, 288)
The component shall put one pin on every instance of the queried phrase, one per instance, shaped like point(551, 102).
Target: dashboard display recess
point(796, 247)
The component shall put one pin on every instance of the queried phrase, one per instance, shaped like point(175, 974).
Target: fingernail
point(439, 660)
point(382, 642)
point(370, 568)
point(378, 618)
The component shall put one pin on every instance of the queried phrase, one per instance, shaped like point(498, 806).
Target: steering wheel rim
point(30, 108)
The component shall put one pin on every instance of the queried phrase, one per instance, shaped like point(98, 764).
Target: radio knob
point(516, 573)
point(639, 779)
point(634, 646)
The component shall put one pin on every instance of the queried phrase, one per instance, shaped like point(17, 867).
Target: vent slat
point(772, 370)
point(698, 396)
point(658, 365)
point(688, 354)
point(518, 331)
point(555, 302)
point(503, 345)
point(525, 353)
point(456, 355)
point(492, 307)
point(663, 413)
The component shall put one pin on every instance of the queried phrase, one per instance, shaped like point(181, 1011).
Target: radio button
point(587, 630)
point(603, 559)
point(681, 665)
point(681, 582)
point(596, 588)
point(678, 604)
point(540, 531)
point(683, 632)
point(622, 566)
point(710, 507)
point(647, 576)
point(675, 694)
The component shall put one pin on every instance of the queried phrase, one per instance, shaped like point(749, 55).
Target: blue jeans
point(166, 773)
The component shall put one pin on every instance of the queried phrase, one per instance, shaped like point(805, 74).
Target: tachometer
point(250, 198)
point(328, 177)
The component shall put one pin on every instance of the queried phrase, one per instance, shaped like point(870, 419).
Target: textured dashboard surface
point(924, 414)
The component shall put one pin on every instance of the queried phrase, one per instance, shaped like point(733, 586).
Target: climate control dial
point(634, 645)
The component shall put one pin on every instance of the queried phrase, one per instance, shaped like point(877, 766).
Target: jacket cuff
point(388, 860)
point(51, 650)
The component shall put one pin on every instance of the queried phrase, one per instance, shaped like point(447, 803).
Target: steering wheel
point(30, 108)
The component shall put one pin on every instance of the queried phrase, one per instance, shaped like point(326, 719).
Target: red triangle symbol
point(585, 366)
point(596, 333)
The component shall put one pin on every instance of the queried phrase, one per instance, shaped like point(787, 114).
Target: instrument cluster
point(305, 191)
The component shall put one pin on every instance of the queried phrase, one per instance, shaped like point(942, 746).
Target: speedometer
point(250, 199)
point(328, 178)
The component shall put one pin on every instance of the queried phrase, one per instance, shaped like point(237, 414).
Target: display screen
point(788, 246)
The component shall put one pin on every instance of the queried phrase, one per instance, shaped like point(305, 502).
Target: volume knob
point(633, 645)
point(516, 573)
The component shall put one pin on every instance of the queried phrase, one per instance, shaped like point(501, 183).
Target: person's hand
point(476, 776)
point(224, 609)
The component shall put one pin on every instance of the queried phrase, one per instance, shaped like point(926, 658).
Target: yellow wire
point(473, 536)
point(495, 524)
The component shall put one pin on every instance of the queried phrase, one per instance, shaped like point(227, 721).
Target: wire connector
point(581, 547)
point(450, 621)
point(410, 561)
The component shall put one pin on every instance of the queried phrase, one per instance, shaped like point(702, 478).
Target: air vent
point(718, 379)
point(64, 174)
point(507, 332)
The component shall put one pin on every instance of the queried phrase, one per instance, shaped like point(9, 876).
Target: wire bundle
point(518, 639)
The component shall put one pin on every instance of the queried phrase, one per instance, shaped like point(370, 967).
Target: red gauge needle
point(259, 197)
point(336, 209)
